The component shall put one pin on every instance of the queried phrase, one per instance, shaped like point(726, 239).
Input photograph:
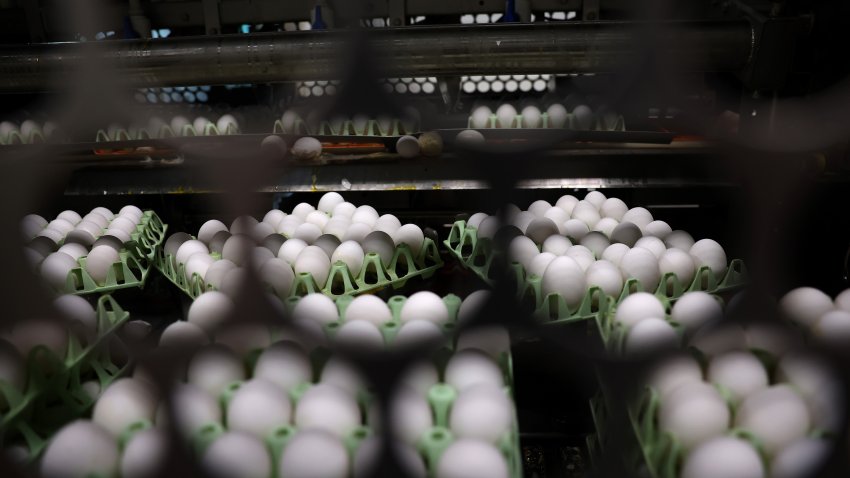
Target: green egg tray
point(347, 129)
point(433, 442)
point(15, 137)
point(53, 394)
point(478, 256)
point(123, 134)
point(374, 276)
point(133, 267)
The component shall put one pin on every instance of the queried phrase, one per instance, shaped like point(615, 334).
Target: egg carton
point(479, 256)
point(134, 265)
point(346, 128)
point(373, 275)
point(53, 395)
point(165, 131)
point(516, 122)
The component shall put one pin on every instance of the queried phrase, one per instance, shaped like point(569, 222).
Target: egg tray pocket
point(53, 394)
point(479, 256)
point(15, 137)
point(516, 122)
point(134, 261)
point(325, 128)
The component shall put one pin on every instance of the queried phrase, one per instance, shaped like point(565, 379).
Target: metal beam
point(415, 51)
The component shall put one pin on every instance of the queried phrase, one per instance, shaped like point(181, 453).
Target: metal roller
point(580, 47)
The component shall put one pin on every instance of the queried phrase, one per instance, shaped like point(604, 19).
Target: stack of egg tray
point(53, 393)
point(165, 131)
point(479, 256)
point(373, 276)
point(135, 261)
point(345, 128)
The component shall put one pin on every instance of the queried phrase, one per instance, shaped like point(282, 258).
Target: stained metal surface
point(420, 51)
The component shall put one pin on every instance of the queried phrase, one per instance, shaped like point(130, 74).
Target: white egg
point(273, 242)
point(145, 454)
point(673, 373)
point(816, 383)
point(290, 249)
point(380, 243)
point(314, 453)
point(834, 327)
point(576, 229)
point(210, 310)
point(800, 458)
point(100, 261)
point(650, 335)
point(505, 116)
point(469, 138)
point(777, 415)
point(120, 236)
point(522, 219)
point(81, 448)
point(606, 226)
point(357, 232)
point(317, 218)
point(188, 249)
point(340, 373)
point(344, 209)
point(237, 249)
point(723, 456)
point(481, 117)
point(351, 254)
point(365, 214)
point(539, 207)
point(337, 226)
point(218, 241)
point(302, 210)
point(237, 454)
point(652, 244)
point(123, 403)
point(260, 231)
point(582, 117)
point(216, 272)
point(493, 340)
point(289, 120)
point(7, 127)
point(695, 309)
point(313, 260)
point(368, 455)
point(288, 224)
point(842, 300)
point(472, 305)
point(468, 454)
point(557, 116)
point(284, 364)
point(316, 307)
point(637, 307)
point(60, 225)
point(694, 412)
point(642, 265)
point(106, 213)
point(566, 277)
point(387, 223)
point(369, 308)
point(329, 408)
point(659, 229)
point(125, 224)
point(558, 217)
point(739, 372)
point(707, 252)
point(582, 255)
point(805, 305)
point(638, 216)
point(56, 267)
point(192, 408)
point(471, 367)
point(567, 202)
point(272, 218)
point(279, 275)
point(74, 250)
point(258, 408)
point(540, 263)
point(539, 229)
point(557, 245)
point(198, 264)
point(596, 241)
point(678, 262)
point(102, 222)
point(626, 233)
point(613, 208)
point(70, 216)
point(606, 276)
point(131, 210)
point(476, 219)
point(481, 412)
point(412, 235)
point(679, 240)
point(52, 234)
point(716, 340)
point(411, 415)
point(200, 125)
point(182, 335)
point(307, 232)
point(531, 117)
point(488, 227)
point(523, 250)
point(307, 149)
point(213, 368)
point(424, 305)
point(79, 312)
point(32, 224)
point(408, 147)
point(227, 124)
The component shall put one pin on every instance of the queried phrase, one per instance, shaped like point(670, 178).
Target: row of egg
point(178, 125)
point(77, 316)
point(643, 317)
point(293, 123)
point(780, 415)
point(531, 117)
point(422, 319)
point(307, 240)
point(99, 236)
point(27, 132)
point(827, 319)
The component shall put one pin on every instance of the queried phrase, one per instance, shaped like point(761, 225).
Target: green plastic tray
point(53, 395)
point(373, 276)
point(478, 256)
point(133, 267)
point(123, 134)
point(346, 129)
